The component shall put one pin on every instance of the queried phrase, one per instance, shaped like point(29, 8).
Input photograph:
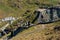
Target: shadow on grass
point(14, 33)
point(20, 29)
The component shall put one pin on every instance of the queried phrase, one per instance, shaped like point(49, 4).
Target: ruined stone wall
point(49, 15)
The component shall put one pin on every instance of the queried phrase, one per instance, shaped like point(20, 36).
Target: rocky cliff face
point(48, 15)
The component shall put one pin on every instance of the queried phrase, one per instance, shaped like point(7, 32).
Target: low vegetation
point(34, 33)
point(2, 24)
point(25, 9)
point(17, 8)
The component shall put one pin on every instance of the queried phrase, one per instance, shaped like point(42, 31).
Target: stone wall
point(48, 15)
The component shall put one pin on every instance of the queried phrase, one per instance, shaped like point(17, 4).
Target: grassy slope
point(47, 33)
point(17, 8)
point(24, 5)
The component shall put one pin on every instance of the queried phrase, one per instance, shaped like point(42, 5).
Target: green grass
point(4, 8)
point(2, 24)
point(24, 5)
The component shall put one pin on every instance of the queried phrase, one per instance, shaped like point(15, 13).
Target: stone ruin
point(47, 15)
